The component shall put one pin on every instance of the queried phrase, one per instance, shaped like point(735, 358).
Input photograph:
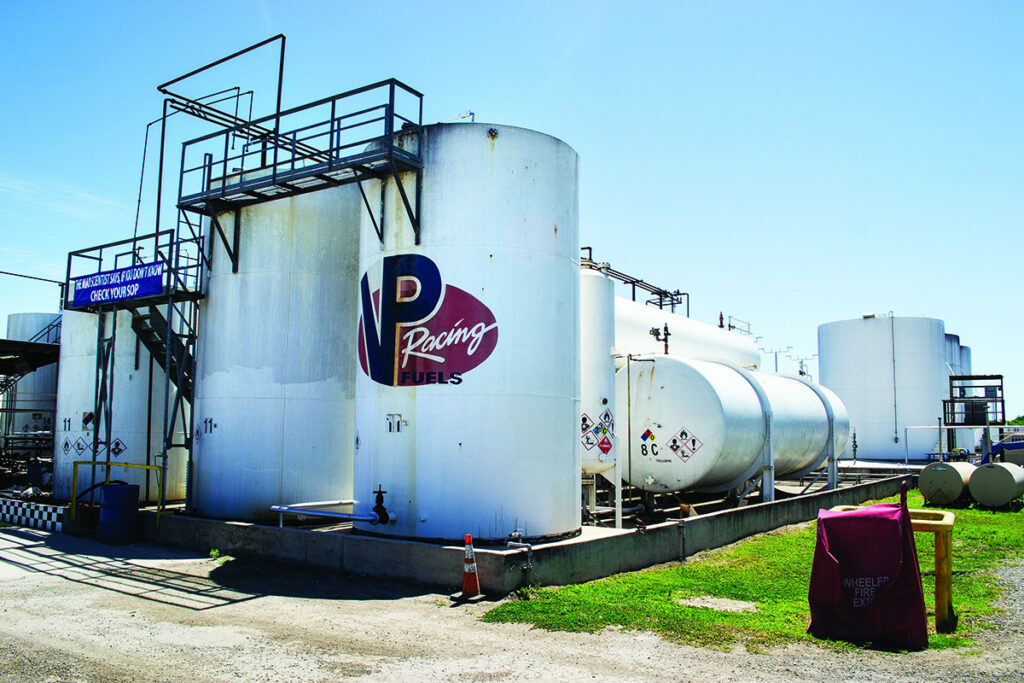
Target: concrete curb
point(594, 554)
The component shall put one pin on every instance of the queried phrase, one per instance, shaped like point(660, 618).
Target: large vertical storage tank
point(467, 400)
point(274, 411)
point(137, 414)
point(702, 425)
point(891, 373)
point(35, 396)
point(953, 354)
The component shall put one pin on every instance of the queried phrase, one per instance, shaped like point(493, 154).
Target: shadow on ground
point(274, 578)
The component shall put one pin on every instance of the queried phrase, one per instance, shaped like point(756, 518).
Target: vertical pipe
point(895, 418)
point(280, 85)
point(160, 169)
point(618, 484)
point(149, 423)
point(629, 424)
point(112, 356)
point(167, 401)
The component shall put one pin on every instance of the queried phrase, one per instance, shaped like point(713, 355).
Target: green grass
point(772, 571)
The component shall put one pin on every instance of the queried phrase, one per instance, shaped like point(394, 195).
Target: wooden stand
point(939, 522)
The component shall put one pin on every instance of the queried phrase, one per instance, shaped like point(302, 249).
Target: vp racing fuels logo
point(414, 329)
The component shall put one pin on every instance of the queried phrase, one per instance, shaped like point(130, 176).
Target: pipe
point(372, 518)
point(516, 543)
point(895, 411)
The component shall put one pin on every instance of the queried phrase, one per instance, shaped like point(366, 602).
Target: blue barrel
point(119, 514)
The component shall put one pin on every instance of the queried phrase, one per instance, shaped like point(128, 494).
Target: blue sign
point(117, 285)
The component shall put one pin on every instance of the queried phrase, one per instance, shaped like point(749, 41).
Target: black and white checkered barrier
point(34, 515)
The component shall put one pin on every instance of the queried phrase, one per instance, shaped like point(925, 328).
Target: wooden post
point(945, 620)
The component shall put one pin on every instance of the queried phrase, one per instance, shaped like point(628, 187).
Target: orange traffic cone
point(470, 580)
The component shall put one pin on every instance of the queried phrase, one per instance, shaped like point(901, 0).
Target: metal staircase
point(165, 323)
point(170, 349)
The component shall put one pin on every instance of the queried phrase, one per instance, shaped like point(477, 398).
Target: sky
point(786, 163)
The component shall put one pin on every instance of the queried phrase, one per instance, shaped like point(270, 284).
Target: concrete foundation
point(596, 553)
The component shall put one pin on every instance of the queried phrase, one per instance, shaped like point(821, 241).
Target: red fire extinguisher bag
point(865, 580)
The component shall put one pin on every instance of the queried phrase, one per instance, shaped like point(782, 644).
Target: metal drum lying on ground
point(995, 484)
point(943, 483)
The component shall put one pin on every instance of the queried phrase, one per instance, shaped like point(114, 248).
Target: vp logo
point(416, 330)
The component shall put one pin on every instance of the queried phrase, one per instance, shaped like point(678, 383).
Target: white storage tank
point(891, 373)
point(274, 404)
point(953, 354)
point(136, 431)
point(597, 373)
point(35, 396)
point(965, 360)
point(467, 396)
point(688, 338)
point(702, 424)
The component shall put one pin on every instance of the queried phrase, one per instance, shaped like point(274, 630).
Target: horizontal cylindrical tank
point(703, 425)
point(943, 483)
point(32, 404)
point(688, 338)
point(995, 484)
point(891, 373)
point(274, 407)
point(137, 415)
point(597, 372)
point(467, 399)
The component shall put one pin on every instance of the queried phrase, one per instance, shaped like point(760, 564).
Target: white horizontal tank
point(891, 372)
point(468, 392)
point(137, 414)
point(274, 407)
point(688, 338)
point(702, 424)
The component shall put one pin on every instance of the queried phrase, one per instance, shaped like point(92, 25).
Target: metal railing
point(318, 142)
point(161, 505)
point(183, 259)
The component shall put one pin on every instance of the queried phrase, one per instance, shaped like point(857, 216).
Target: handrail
point(74, 482)
point(349, 93)
point(183, 270)
point(283, 156)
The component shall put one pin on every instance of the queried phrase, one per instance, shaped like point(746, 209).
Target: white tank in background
point(892, 373)
point(33, 402)
point(274, 406)
point(468, 392)
point(597, 373)
point(136, 430)
point(702, 424)
point(688, 338)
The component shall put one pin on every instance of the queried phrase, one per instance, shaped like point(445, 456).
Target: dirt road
point(75, 610)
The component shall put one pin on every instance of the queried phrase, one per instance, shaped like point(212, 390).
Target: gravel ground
point(74, 610)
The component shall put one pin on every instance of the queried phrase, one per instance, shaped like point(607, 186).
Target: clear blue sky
point(788, 163)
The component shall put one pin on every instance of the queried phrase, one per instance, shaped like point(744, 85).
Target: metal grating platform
point(354, 136)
